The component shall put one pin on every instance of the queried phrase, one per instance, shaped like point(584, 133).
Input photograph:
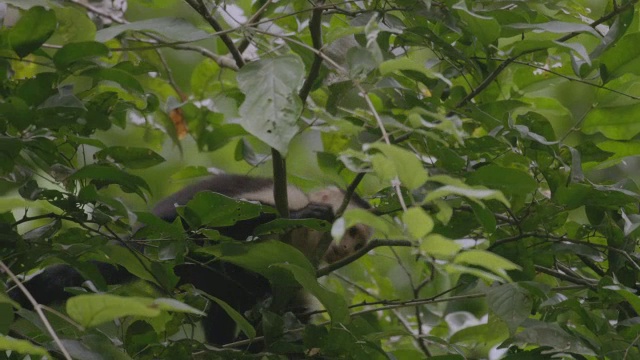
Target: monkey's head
point(355, 237)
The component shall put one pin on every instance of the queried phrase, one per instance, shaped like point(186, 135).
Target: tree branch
point(280, 194)
point(315, 28)
point(348, 194)
point(358, 254)
point(253, 21)
point(201, 9)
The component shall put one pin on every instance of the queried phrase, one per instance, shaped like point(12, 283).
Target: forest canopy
point(497, 142)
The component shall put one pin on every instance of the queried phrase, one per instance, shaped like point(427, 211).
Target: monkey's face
point(353, 240)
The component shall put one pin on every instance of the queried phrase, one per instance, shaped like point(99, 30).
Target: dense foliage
point(495, 139)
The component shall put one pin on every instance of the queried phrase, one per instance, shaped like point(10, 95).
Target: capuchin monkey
point(238, 287)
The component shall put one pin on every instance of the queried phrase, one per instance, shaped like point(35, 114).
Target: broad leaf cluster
point(496, 140)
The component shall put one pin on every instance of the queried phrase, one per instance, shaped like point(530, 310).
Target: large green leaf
point(475, 194)
point(616, 123)
point(440, 247)
point(511, 182)
point(121, 77)
point(335, 304)
point(74, 25)
point(497, 264)
point(217, 210)
point(32, 30)
point(576, 195)
point(395, 162)
point(96, 309)
point(418, 222)
point(272, 107)
point(74, 52)
point(22, 347)
point(242, 323)
point(551, 335)
point(624, 58)
point(111, 175)
point(260, 257)
point(511, 303)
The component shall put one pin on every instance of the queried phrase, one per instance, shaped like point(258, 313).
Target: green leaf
point(176, 306)
point(272, 107)
point(621, 59)
point(551, 335)
point(487, 334)
point(335, 304)
point(485, 217)
point(65, 98)
point(394, 162)
point(558, 27)
point(260, 257)
point(95, 309)
point(138, 266)
point(616, 123)
point(17, 112)
point(361, 62)
point(208, 208)
point(382, 227)
point(121, 77)
point(410, 63)
point(111, 175)
point(190, 172)
point(172, 29)
point(22, 347)
point(497, 264)
point(473, 271)
point(74, 52)
point(74, 26)
point(510, 182)
point(620, 149)
point(32, 29)
point(576, 195)
point(471, 193)
point(511, 303)
point(240, 320)
point(486, 29)
point(439, 246)
point(418, 222)
point(631, 297)
point(130, 157)
point(94, 347)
